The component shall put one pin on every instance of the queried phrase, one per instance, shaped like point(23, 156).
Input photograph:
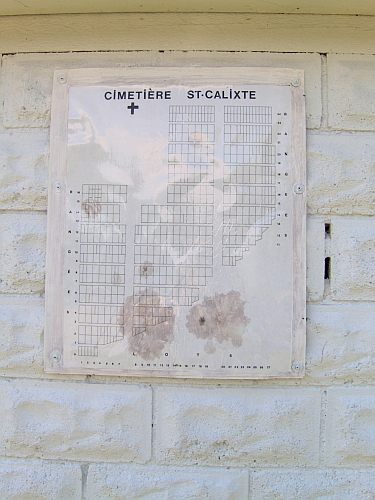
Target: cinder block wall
point(77, 437)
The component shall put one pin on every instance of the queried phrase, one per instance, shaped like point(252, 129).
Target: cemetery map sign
point(176, 231)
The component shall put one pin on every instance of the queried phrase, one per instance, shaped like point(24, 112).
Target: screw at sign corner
point(62, 79)
point(296, 82)
point(297, 367)
point(58, 187)
point(55, 357)
point(298, 188)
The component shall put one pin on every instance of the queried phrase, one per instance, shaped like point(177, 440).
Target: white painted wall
point(92, 438)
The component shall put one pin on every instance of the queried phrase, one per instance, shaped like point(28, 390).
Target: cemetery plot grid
point(261, 134)
point(102, 266)
point(193, 174)
point(177, 214)
point(249, 177)
point(103, 233)
point(249, 174)
point(194, 114)
point(173, 246)
point(173, 256)
point(248, 114)
point(104, 193)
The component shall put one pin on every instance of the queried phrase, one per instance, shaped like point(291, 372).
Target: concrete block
point(341, 174)
point(353, 258)
point(351, 98)
point(75, 421)
point(116, 482)
point(315, 254)
point(22, 248)
point(350, 429)
point(313, 485)
point(23, 171)
point(39, 480)
point(338, 340)
point(21, 339)
point(28, 78)
point(232, 426)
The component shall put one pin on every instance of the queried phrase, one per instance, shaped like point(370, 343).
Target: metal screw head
point(55, 357)
point(58, 187)
point(297, 367)
point(298, 188)
point(62, 79)
point(296, 82)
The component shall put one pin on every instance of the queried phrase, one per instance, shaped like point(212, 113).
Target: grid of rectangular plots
point(100, 213)
point(248, 114)
point(191, 173)
point(191, 132)
point(104, 193)
point(249, 174)
point(162, 255)
point(257, 134)
point(179, 296)
point(231, 255)
point(197, 114)
point(173, 235)
point(99, 314)
point(177, 214)
point(99, 334)
point(103, 233)
point(172, 275)
point(103, 254)
point(101, 294)
point(249, 195)
point(248, 153)
point(101, 273)
point(190, 193)
point(249, 215)
point(150, 315)
point(249, 177)
point(240, 236)
point(190, 152)
point(88, 350)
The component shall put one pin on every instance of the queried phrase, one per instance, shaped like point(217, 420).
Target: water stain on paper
point(91, 209)
point(154, 322)
point(221, 318)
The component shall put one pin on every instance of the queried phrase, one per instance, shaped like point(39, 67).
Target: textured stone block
point(22, 248)
point(23, 171)
point(75, 421)
point(313, 485)
point(315, 255)
point(28, 78)
point(350, 429)
point(234, 426)
point(338, 340)
point(21, 339)
point(351, 98)
point(115, 482)
point(353, 258)
point(341, 174)
point(39, 480)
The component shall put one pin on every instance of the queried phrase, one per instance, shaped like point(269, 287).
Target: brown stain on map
point(91, 209)
point(219, 318)
point(150, 343)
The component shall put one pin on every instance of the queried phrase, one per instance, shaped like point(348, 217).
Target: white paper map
point(179, 217)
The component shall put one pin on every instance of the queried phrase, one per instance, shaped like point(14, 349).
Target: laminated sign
point(176, 223)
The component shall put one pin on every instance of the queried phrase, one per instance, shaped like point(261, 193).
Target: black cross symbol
point(132, 107)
